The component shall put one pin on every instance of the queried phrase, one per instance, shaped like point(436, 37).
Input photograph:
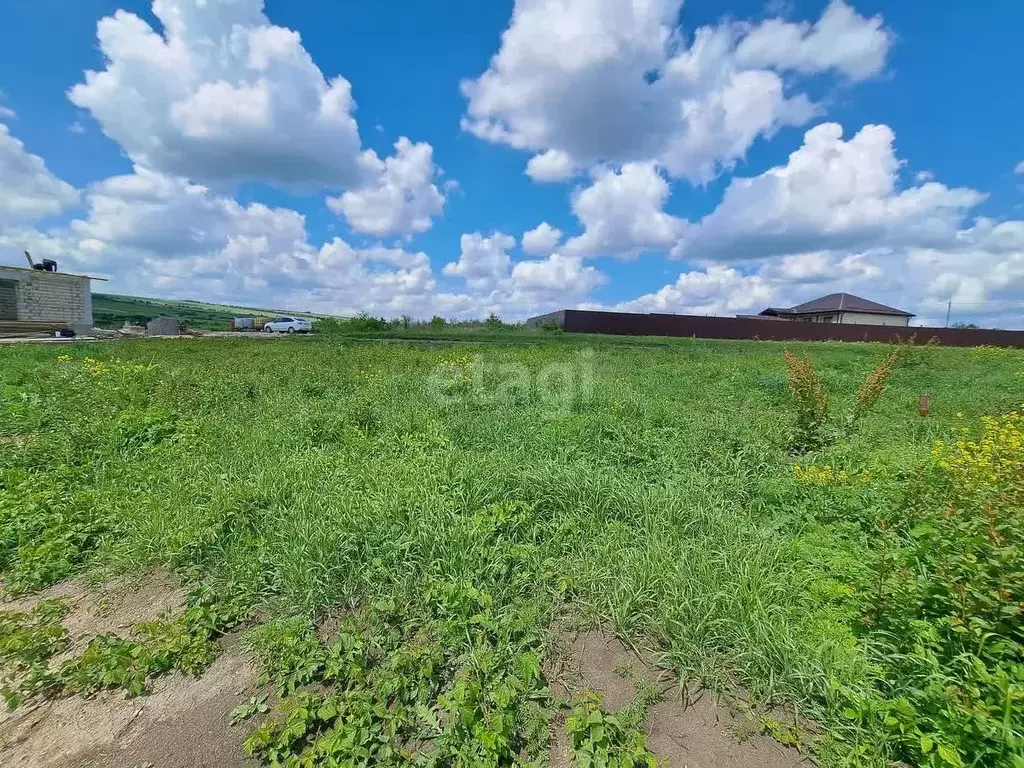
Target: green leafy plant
point(187, 643)
point(781, 732)
point(336, 729)
point(47, 530)
point(945, 613)
point(256, 705)
point(458, 679)
point(288, 652)
point(600, 740)
point(27, 641)
point(111, 662)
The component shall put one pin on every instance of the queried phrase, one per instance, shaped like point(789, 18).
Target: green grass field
point(114, 310)
point(453, 501)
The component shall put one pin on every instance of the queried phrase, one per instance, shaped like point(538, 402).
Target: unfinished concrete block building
point(32, 294)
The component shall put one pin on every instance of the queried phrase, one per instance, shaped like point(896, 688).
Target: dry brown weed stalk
point(811, 397)
point(874, 385)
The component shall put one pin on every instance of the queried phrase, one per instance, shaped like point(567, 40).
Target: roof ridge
point(843, 301)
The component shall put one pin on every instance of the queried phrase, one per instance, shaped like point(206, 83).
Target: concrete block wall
point(53, 296)
point(163, 326)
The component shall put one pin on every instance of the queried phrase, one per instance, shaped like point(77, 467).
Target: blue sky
point(695, 157)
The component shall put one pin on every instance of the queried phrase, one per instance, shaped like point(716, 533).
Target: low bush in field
point(28, 639)
point(935, 598)
point(601, 739)
point(945, 614)
point(358, 324)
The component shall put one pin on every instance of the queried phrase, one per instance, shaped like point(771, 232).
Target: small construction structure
point(163, 326)
point(36, 295)
point(844, 308)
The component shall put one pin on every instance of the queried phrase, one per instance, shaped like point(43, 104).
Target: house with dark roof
point(841, 308)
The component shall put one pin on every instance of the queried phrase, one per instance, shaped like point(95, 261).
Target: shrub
point(326, 326)
point(365, 323)
point(549, 326)
point(946, 614)
point(361, 323)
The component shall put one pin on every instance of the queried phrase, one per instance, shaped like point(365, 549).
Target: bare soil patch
point(684, 730)
point(182, 723)
point(111, 608)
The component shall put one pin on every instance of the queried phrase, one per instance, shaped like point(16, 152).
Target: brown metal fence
point(629, 324)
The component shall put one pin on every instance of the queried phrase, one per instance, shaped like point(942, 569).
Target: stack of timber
point(23, 328)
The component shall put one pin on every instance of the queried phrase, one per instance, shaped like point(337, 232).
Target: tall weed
point(811, 401)
point(873, 386)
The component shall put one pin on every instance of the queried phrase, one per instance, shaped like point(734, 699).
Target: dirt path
point(700, 733)
point(183, 723)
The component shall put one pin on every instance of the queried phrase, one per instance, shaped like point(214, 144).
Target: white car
point(288, 325)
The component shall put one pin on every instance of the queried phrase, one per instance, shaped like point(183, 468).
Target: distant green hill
point(112, 311)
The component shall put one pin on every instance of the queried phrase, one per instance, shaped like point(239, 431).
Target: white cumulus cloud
point(484, 260)
point(622, 213)
point(835, 218)
point(514, 289)
point(220, 94)
point(841, 40)
point(403, 198)
point(154, 234)
point(542, 239)
point(28, 189)
point(550, 166)
point(557, 275)
point(582, 82)
point(831, 193)
point(718, 290)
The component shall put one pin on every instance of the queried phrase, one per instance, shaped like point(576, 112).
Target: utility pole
point(949, 309)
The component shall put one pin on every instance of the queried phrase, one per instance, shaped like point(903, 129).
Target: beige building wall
point(866, 318)
point(48, 296)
